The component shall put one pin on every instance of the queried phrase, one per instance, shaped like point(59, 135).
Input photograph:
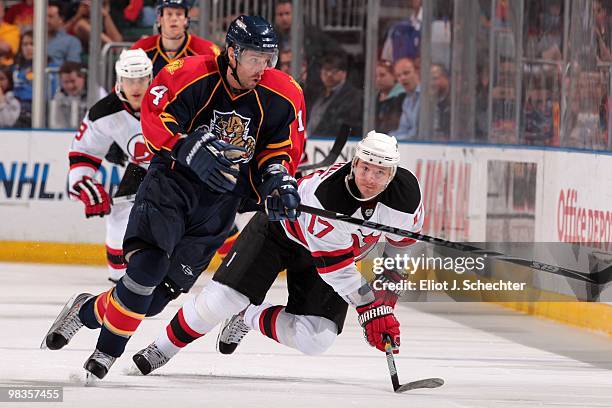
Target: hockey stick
point(397, 387)
point(601, 277)
point(333, 153)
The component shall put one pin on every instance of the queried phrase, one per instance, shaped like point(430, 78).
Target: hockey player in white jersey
point(319, 255)
point(115, 118)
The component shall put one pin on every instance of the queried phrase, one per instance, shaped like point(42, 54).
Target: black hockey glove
point(213, 160)
point(279, 190)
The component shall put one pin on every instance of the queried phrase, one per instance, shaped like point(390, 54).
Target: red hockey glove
point(377, 319)
point(385, 286)
point(92, 194)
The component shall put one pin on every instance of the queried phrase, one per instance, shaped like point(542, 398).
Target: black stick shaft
point(600, 277)
point(391, 363)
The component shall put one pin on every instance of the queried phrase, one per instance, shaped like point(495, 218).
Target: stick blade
point(426, 383)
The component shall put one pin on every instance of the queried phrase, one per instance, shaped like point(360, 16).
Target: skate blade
point(43, 344)
point(90, 379)
point(133, 371)
point(426, 383)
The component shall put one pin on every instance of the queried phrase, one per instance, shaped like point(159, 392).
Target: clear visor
point(257, 60)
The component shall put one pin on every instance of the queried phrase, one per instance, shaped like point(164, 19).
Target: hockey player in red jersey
point(113, 119)
point(224, 130)
point(319, 255)
point(174, 40)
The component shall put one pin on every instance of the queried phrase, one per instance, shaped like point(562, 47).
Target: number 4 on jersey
point(159, 92)
point(322, 226)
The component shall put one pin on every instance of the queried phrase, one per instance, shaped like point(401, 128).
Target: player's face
point(172, 22)
point(251, 66)
point(370, 179)
point(134, 90)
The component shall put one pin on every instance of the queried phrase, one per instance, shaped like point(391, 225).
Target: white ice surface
point(489, 357)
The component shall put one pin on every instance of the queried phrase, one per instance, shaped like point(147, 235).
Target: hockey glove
point(213, 160)
point(385, 286)
point(92, 194)
point(377, 319)
point(281, 195)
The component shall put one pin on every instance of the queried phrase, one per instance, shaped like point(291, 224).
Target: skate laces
point(235, 330)
point(154, 356)
point(71, 324)
point(103, 358)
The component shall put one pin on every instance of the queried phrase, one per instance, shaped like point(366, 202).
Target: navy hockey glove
point(279, 190)
point(92, 194)
point(213, 160)
point(378, 320)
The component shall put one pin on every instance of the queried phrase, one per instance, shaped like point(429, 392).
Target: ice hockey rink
point(489, 357)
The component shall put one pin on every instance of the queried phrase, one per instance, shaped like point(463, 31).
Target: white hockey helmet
point(132, 64)
point(378, 149)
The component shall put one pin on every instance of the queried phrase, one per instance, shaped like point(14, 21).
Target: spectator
point(284, 64)
point(339, 103)
point(404, 38)
point(174, 41)
point(316, 45)
point(21, 14)
point(80, 26)
point(408, 77)
point(440, 90)
point(9, 39)
point(603, 30)
point(22, 78)
point(482, 101)
point(60, 45)
point(388, 99)
point(9, 105)
point(69, 104)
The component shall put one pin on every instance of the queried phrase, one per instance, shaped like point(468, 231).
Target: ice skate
point(98, 364)
point(231, 334)
point(66, 324)
point(149, 359)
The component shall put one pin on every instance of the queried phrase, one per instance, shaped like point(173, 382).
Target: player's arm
point(169, 109)
point(278, 158)
point(87, 150)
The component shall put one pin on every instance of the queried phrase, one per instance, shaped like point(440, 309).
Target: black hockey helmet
point(252, 33)
point(184, 4)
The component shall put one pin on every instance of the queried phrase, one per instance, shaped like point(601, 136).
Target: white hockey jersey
point(109, 120)
point(336, 245)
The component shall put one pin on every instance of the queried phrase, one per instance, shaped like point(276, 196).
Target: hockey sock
point(116, 262)
point(308, 334)
point(92, 312)
point(199, 315)
point(129, 302)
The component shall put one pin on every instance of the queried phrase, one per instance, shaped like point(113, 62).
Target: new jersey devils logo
point(364, 243)
point(138, 150)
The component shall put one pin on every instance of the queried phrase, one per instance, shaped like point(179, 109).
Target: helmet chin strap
point(351, 176)
point(235, 68)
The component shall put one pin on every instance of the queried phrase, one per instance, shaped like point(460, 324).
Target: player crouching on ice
point(115, 118)
point(319, 255)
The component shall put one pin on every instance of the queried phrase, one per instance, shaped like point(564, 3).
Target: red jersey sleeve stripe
point(337, 252)
point(333, 268)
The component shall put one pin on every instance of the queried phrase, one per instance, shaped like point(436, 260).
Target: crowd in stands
point(332, 76)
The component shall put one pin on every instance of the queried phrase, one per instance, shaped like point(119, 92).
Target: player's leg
point(116, 224)
point(244, 277)
point(314, 314)
point(156, 225)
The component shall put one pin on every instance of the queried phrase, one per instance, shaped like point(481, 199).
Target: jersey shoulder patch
point(146, 43)
point(106, 106)
point(403, 193)
point(283, 84)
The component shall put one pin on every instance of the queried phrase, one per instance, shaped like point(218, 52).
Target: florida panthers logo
point(234, 128)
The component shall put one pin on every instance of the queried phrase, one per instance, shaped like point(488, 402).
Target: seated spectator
point(69, 104)
point(80, 26)
point(408, 78)
point(21, 14)
point(22, 78)
point(388, 99)
point(9, 105)
point(440, 90)
point(603, 30)
point(60, 45)
point(284, 64)
point(9, 39)
point(339, 102)
point(403, 39)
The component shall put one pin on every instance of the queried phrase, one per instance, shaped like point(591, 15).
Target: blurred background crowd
point(528, 72)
